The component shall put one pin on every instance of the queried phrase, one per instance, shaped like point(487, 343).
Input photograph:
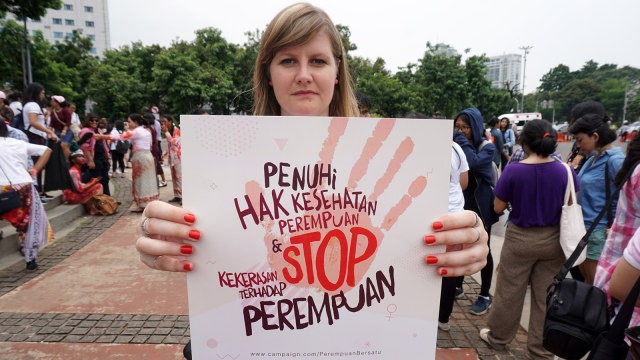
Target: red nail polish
point(188, 267)
point(429, 239)
point(432, 259)
point(186, 249)
point(194, 234)
point(190, 218)
point(443, 272)
point(437, 225)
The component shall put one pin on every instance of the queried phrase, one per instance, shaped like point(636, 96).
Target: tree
point(555, 79)
point(577, 91)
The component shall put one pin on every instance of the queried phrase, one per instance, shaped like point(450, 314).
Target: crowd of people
point(301, 49)
point(76, 157)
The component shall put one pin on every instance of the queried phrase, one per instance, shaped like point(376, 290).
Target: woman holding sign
point(301, 71)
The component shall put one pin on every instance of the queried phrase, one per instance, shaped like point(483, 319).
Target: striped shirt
point(626, 223)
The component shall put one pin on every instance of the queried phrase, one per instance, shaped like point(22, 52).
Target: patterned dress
point(82, 193)
point(174, 151)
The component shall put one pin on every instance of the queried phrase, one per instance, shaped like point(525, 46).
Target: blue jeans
point(68, 137)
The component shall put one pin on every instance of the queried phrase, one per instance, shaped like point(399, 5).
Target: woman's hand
point(92, 165)
point(53, 136)
point(163, 230)
point(466, 241)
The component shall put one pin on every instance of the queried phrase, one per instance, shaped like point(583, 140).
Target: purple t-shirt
point(535, 191)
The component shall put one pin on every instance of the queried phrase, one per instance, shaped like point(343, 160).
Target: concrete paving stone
point(72, 322)
point(19, 338)
point(54, 338)
point(153, 324)
point(461, 343)
point(165, 323)
point(114, 331)
point(442, 335)
point(63, 316)
point(130, 331)
point(185, 340)
point(95, 317)
point(89, 338)
point(140, 339)
point(521, 338)
point(40, 322)
point(80, 331)
point(37, 338)
point(177, 332)
point(64, 330)
point(119, 323)
point(110, 317)
point(17, 316)
point(156, 317)
point(137, 324)
point(172, 340)
point(32, 316)
point(14, 329)
point(491, 357)
point(171, 317)
point(445, 344)
point(124, 339)
point(79, 316)
point(457, 316)
point(162, 331)
point(146, 331)
point(73, 338)
point(10, 322)
point(97, 331)
point(124, 317)
point(47, 330)
point(155, 339)
point(56, 322)
point(187, 333)
point(468, 329)
point(88, 323)
point(3, 328)
point(5, 337)
point(106, 339)
point(104, 323)
point(181, 324)
point(183, 318)
point(456, 335)
point(140, 317)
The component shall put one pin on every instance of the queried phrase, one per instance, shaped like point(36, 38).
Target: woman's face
point(93, 122)
point(132, 124)
point(41, 96)
point(78, 160)
point(304, 77)
point(503, 123)
point(464, 128)
point(586, 143)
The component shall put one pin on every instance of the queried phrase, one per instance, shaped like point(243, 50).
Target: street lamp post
point(526, 51)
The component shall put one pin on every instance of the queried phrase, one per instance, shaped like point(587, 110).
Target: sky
point(568, 32)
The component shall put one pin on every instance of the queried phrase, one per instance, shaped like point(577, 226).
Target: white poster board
point(312, 235)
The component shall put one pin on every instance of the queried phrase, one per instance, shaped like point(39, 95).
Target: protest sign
point(312, 235)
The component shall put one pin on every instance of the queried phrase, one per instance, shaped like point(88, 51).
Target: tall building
point(445, 49)
point(505, 69)
point(90, 17)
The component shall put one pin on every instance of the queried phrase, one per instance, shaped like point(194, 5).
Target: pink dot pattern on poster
point(227, 139)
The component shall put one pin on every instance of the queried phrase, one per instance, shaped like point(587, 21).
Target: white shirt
point(16, 107)
point(459, 165)
point(14, 155)
point(75, 119)
point(140, 138)
point(33, 108)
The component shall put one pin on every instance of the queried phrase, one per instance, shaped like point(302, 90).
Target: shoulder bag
point(577, 313)
point(9, 200)
point(571, 222)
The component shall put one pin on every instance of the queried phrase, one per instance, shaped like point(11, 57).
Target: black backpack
point(18, 123)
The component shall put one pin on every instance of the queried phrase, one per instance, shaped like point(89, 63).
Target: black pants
point(486, 274)
point(447, 297)
point(102, 170)
point(38, 140)
point(117, 160)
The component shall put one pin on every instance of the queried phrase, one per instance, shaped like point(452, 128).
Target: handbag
point(610, 345)
point(571, 222)
point(9, 200)
point(577, 313)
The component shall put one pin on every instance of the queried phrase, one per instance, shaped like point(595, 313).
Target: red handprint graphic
point(335, 254)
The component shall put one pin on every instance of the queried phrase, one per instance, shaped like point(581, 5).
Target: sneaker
point(481, 305)
point(163, 183)
point(44, 196)
point(444, 326)
point(32, 266)
point(484, 335)
point(459, 293)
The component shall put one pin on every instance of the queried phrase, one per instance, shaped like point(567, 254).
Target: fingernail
point(429, 239)
point(443, 272)
point(188, 267)
point(437, 225)
point(190, 218)
point(194, 234)
point(432, 259)
point(186, 249)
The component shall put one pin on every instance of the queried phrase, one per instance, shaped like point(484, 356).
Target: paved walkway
point(91, 298)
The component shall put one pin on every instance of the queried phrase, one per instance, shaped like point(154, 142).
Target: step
point(59, 214)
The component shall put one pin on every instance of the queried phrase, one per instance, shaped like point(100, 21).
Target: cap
point(58, 98)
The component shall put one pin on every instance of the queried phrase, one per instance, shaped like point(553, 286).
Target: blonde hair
point(293, 26)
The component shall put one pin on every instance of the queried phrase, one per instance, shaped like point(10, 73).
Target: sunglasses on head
point(93, 120)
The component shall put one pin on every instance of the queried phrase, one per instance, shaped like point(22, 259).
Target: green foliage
point(29, 8)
